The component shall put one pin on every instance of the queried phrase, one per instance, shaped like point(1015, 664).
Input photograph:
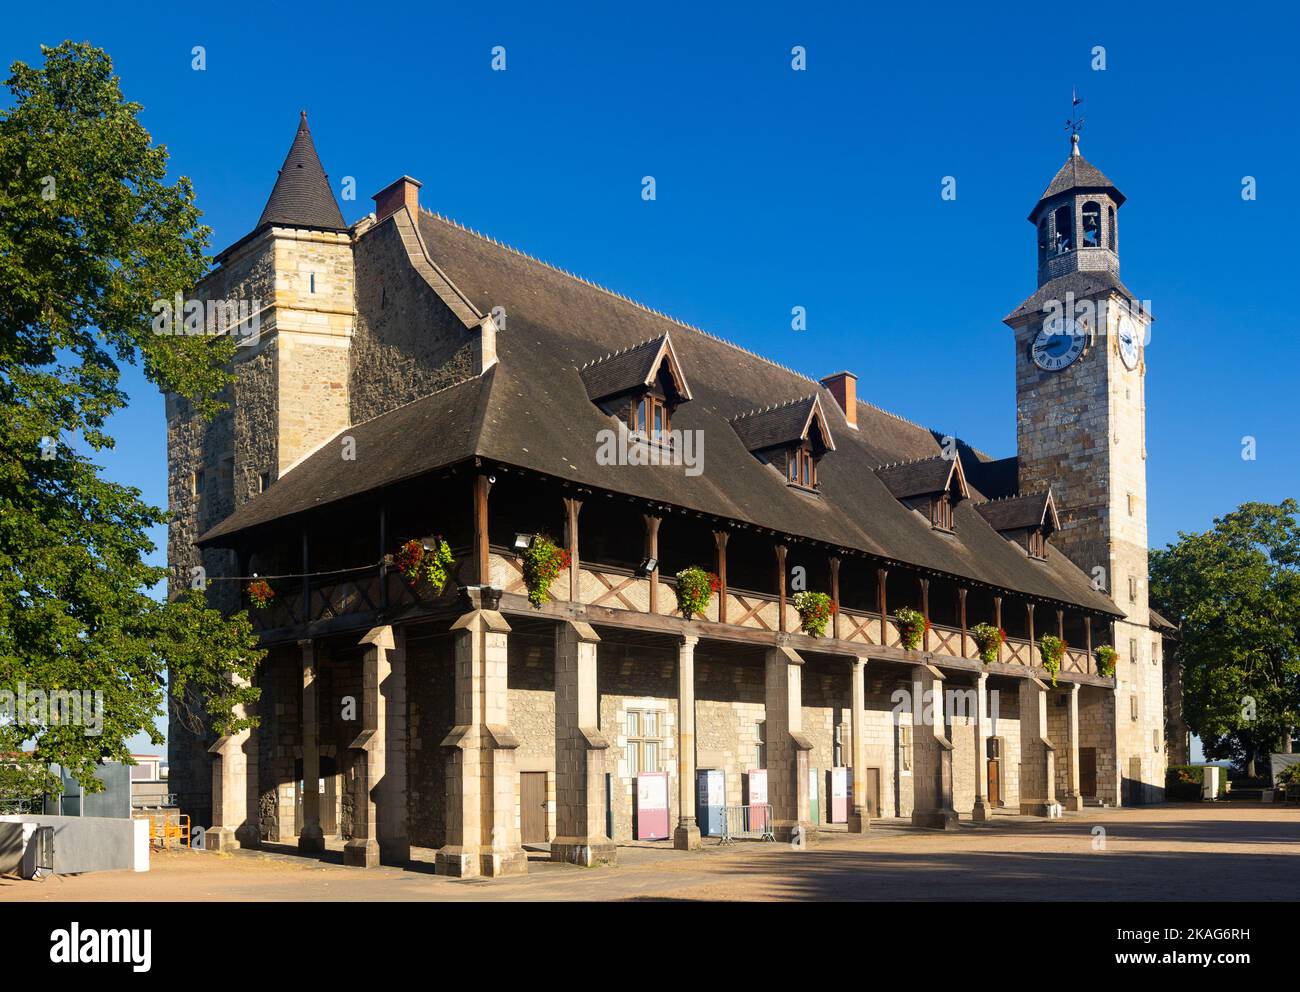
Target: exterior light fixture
point(648, 565)
point(523, 541)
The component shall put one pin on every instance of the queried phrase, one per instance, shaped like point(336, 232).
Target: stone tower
point(1081, 429)
point(291, 279)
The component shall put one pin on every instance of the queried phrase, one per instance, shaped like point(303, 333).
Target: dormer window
point(1026, 520)
point(1037, 543)
point(641, 385)
point(792, 438)
point(931, 486)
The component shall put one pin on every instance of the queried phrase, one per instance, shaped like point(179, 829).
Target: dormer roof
point(785, 424)
point(634, 368)
point(924, 477)
point(1022, 513)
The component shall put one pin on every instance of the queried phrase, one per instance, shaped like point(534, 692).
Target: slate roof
point(301, 196)
point(532, 410)
point(996, 478)
point(1077, 173)
point(922, 477)
point(781, 424)
point(629, 369)
point(1078, 284)
point(1017, 512)
point(1158, 622)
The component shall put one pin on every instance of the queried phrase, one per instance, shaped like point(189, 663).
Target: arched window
point(1042, 239)
point(1064, 225)
point(1091, 225)
point(1110, 228)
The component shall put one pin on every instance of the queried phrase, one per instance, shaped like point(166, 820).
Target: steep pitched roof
point(621, 371)
point(923, 477)
point(532, 411)
point(1077, 173)
point(1078, 285)
point(301, 196)
point(784, 423)
point(1021, 512)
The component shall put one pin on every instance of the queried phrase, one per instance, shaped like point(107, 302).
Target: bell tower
point(1081, 429)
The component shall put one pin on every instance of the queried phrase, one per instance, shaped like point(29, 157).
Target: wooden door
point(1136, 794)
point(995, 782)
point(873, 793)
point(533, 826)
point(1088, 772)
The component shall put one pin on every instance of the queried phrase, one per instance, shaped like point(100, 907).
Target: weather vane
point(1075, 123)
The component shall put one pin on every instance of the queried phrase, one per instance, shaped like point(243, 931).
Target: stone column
point(1037, 771)
point(482, 835)
point(234, 789)
point(312, 839)
point(579, 752)
point(379, 834)
point(931, 752)
point(860, 814)
point(687, 835)
point(787, 747)
point(981, 811)
point(1073, 796)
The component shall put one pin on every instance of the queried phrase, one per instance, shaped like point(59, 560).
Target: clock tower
point(1081, 430)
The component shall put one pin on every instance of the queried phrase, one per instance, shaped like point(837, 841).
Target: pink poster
point(651, 813)
point(757, 796)
point(839, 795)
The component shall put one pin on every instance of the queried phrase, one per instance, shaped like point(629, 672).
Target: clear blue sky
point(779, 188)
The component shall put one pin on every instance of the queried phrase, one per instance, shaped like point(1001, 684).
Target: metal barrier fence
point(746, 823)
point(167, 828)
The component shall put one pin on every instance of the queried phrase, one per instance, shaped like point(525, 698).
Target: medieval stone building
point(406, 379)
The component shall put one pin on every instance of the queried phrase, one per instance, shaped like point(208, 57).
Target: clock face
point(1058, 344)
point(1128, 341)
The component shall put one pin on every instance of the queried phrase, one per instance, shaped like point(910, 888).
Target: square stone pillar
point(931, 752)
point(579, 752)
point(787, 747)
point(860, 814)
point(379, 834)
point(981, 811)
point(234, 789)
point(686, 837)
point(1037, 768)
point(1073, 799)
point(312, 838)
point(482, 830)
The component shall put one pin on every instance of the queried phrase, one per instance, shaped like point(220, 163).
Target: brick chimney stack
point(404, 192)
point(844, 387)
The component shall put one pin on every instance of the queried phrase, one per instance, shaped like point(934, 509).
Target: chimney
point(404, 192)
point(844, 387)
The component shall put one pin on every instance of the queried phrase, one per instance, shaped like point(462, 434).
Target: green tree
point(1235, 591)
point(90, 235)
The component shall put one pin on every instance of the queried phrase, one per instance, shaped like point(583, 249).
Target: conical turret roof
point(302, 196)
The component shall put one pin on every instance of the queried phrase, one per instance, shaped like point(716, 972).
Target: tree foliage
point(1235, 592)
point(91, 234)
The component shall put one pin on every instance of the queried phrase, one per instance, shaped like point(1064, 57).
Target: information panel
point(756, 795)
point(710, 800)
point(650, 814)
point(814, 795)
point(839, 795)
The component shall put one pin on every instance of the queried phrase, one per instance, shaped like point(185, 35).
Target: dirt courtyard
point(1176, 853)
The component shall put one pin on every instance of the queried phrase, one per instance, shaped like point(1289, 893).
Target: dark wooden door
point(995, 782)
point(873, 793)
point(1136, 794)
point(533, 827)
point(1088, 772)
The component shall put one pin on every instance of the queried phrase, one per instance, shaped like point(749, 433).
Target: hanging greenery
point(815, 611)
point(1051, 649)
point(989, 641)
point(1106, 660)
point(543, 561)
point(695, 587)
point(260, 594)
point(431, 563)
point(911, 627)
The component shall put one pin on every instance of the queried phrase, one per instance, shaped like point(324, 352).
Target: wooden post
point(652, 551)
point(1029, 610)
point(1087, 644)
point(961, 616)
point(1060, 625)
point(997, 622)
point(780, 587)
point(481, 567)
point(720, 538)
point(572, 507)
point(925, 612)
point(881, 575)
point(835, 597)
